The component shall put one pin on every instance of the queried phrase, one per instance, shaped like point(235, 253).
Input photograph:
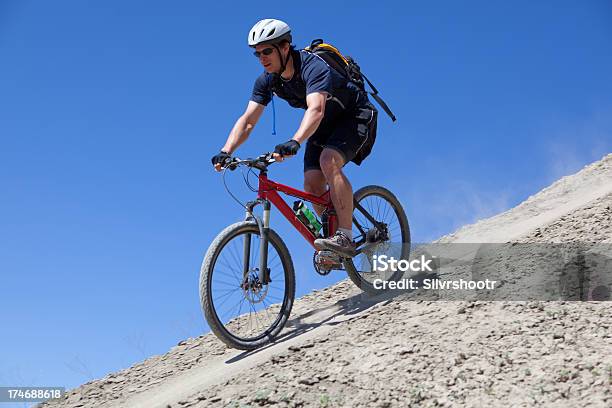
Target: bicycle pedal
point(328, 258)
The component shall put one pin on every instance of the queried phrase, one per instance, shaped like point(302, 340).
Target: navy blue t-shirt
point(312, 74)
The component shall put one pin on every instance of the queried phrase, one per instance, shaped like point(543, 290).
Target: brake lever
point(269, 157)
point(233, 164)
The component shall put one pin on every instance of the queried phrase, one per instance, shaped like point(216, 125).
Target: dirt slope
point(343, 349)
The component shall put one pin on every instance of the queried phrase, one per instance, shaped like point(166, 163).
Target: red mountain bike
point(247, 280)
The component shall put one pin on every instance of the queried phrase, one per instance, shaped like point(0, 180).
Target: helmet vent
point(268, 31)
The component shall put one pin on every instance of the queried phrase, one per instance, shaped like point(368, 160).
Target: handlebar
point(261, 162)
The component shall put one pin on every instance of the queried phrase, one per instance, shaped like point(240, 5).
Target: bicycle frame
point(268, 192)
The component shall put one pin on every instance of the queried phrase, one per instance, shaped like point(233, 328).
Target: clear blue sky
point(110, 112)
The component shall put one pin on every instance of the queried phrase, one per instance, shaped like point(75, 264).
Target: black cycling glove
point(222, 158)
point(289, 148)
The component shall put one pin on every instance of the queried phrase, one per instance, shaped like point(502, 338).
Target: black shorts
point(352, 135)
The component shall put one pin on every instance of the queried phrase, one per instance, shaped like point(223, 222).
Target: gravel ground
point(405, 353)
point(410, 350)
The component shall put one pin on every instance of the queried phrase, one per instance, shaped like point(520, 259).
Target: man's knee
point(314, 182)
point(331, 161)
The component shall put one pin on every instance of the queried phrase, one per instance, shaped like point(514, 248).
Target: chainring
point(323, 265)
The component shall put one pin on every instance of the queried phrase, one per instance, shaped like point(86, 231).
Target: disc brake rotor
point(252, 288)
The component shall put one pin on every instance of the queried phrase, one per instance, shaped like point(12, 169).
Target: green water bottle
point(307, 217)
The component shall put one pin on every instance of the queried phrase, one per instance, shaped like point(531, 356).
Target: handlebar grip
point(231, 164)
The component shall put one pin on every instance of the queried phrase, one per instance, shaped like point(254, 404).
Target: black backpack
point(348, 68)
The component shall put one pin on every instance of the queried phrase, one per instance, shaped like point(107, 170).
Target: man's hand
point(289, 148)
point(219, 160)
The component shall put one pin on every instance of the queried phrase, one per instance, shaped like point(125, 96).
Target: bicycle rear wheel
point(390, 237)
point(243, 312)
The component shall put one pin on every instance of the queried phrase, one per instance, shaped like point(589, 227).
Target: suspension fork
point(264, 228)
point(246, 257)
point(264, 271)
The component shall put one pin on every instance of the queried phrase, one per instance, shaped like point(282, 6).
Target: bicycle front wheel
point(242, 311)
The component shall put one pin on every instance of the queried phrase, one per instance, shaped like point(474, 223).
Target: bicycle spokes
point(244, 304)
point(377, 231)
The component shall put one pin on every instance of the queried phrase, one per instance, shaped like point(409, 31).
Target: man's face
point(271, 62)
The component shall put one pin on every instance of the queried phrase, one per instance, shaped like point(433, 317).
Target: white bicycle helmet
point(269, 31)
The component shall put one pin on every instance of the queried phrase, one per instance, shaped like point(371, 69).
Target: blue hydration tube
point(273, 118)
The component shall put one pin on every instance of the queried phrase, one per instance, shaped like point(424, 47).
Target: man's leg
point(350, 134)
point(314, 183)
point(331, 162)
point(340, 188)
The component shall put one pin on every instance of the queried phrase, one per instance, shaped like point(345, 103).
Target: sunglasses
point(265, 51)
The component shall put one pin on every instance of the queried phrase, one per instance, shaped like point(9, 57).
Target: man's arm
point(242, 129)
point(312, 117)
point(310, 122)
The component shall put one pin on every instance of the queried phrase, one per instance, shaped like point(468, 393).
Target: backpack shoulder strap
point(378, 99)
point(351, 65)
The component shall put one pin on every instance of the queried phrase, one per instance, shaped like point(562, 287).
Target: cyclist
point(339, 123)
